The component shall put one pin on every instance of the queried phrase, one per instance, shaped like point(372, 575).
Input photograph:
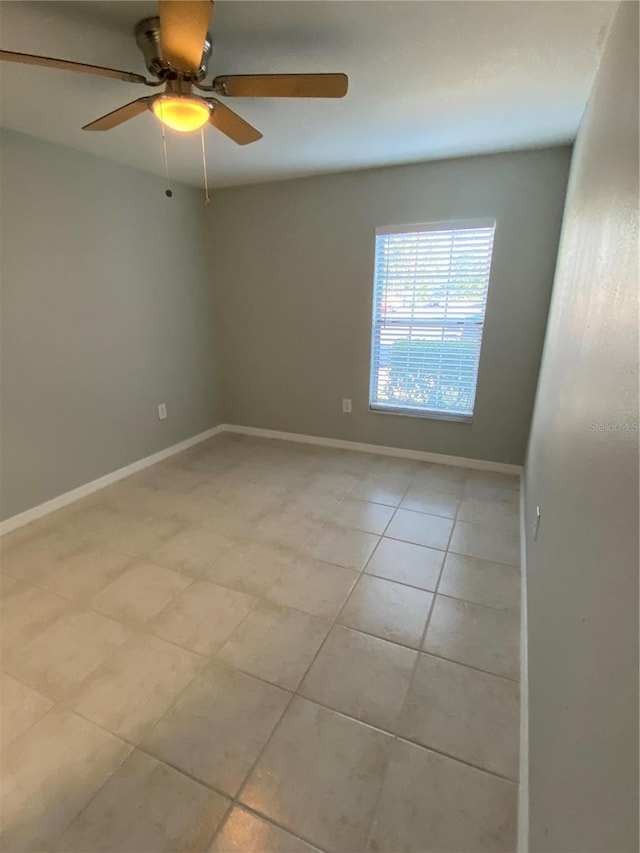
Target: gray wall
point(583, 568)
point(292, 265)
point(106, 312)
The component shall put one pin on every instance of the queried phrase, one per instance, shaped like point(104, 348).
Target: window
point(429, 298)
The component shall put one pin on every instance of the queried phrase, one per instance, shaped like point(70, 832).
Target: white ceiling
point(427, 80)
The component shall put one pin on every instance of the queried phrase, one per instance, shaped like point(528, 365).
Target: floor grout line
point(259, 815)
point(374, 811)
point(146, 629)
point(196, 575)
point(109, 776)
point(403, 709)
point(296, 694)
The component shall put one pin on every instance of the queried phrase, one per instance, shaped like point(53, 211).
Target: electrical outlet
point(162, 411)
point(346, 406)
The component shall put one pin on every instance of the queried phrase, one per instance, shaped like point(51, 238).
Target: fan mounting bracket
point(147, 33)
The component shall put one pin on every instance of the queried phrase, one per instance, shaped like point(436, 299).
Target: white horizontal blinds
point(430, 293)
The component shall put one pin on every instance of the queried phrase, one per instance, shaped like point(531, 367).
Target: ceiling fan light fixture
point(180, 112)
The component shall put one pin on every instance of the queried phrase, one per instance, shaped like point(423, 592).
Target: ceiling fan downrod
point(147, 33)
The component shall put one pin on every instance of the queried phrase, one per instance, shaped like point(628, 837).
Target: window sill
point(421, 413)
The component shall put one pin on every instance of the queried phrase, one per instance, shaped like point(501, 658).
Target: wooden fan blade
point(282, 85)
point(232, 125)
point(122, 114)
point(66, 65)
point(183, 30)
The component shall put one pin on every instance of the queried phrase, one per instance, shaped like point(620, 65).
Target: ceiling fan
point(177, 48)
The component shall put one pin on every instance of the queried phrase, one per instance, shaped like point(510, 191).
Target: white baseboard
point(83, 491)
point(523, 788)
point(399, 452)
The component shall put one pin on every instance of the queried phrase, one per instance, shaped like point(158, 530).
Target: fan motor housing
point(147, 33)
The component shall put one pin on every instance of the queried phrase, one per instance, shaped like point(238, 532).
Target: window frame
point(440, 225)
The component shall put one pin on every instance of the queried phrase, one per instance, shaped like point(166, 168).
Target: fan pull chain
point(168, 192)
point(207, 200)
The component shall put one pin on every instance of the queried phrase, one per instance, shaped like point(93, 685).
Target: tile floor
point(261, 646)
